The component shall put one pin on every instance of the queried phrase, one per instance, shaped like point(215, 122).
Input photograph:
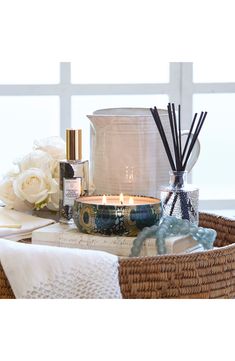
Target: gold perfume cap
point(74, 144)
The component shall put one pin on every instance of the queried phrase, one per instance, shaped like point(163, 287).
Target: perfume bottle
point(74, 175)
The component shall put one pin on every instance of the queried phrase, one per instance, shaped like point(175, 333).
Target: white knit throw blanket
point(37, 271)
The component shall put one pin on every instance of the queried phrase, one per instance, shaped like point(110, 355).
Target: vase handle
point(195, 152)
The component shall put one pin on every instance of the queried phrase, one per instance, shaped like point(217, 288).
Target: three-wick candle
point(116, 214)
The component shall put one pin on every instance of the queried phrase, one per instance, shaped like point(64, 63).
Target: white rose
point(54, 146)
point(22, 206)
point(12, 173)
point(34, 185)
point(36, 159)
point(55, 169)
point(53, 201)
point(7, 194)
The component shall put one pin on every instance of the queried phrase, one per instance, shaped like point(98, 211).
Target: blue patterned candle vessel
point(116, 215)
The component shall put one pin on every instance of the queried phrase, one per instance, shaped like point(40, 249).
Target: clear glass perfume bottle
point(74, 175)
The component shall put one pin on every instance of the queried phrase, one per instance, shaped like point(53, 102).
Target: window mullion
point(65, 97)
point(175, 83)
point(186, 94)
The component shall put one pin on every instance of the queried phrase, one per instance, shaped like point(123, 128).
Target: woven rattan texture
point(5, 288)
point(209, 274)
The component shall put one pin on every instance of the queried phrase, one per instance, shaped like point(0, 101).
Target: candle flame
point(131, 200)
point(104, 199)
point(121, 198)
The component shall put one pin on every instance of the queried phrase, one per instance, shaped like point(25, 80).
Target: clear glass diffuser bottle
point(179, 198)
point(74, 175)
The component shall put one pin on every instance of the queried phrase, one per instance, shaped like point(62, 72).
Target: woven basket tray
point(209, 274)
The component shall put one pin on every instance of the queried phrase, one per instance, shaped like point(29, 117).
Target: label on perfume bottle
point(72, 190)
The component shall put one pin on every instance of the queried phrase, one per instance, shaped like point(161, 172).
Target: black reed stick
point(173, 134)
point(189, 136)
point(163, 136)
point(179, 135)
point(176, 136)
point(173, 203)
point(197, 131)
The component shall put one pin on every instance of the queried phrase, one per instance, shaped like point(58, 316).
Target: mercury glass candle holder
point(113, 216)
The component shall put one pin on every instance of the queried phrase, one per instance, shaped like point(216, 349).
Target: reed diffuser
point(179, 198)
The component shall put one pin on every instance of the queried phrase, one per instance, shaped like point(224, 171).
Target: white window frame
point(180, 90)
point(188, 89)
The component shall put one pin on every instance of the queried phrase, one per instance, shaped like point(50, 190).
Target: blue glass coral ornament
point(172, 226)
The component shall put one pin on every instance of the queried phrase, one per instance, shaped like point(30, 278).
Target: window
point(214, 172)
point(17, 72)
point(41, 100)
point(123, 70)
point(24, 119)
